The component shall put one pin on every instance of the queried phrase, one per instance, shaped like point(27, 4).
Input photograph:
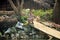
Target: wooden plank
point(46, 29)
point(7, 19)
point(51, 24)
point(7, 12)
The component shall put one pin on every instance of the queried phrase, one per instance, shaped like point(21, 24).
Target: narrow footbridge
point(47, 30)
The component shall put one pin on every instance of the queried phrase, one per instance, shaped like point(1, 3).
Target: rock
point(8, 31)
point(19, 25)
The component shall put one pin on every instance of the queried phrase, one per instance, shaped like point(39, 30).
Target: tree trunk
point(56, 13)
point(18, 9)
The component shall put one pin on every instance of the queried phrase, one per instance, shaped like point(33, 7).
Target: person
point(30, 17)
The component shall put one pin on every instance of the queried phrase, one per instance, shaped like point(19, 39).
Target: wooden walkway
point(47, 30)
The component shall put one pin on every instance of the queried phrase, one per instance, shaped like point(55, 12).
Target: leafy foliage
point(47, 14)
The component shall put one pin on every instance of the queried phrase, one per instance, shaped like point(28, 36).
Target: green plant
point(47, 14)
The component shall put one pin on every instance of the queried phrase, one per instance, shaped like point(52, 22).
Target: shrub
point(47, 14)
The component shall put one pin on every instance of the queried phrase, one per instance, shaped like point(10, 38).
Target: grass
point(42, 12)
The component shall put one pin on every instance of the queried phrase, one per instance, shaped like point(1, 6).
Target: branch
point(18, 4)
point(13, 6)
point(22, 2)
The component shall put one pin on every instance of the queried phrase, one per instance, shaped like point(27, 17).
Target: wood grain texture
point(46, 29)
